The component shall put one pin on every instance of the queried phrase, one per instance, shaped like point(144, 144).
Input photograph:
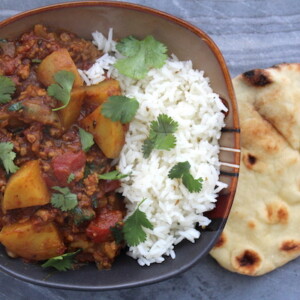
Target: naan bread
point(263, 229)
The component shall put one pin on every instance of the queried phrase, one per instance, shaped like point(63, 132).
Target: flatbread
point(263, 229)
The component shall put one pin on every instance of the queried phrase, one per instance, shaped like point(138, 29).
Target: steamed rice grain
point(185, 95)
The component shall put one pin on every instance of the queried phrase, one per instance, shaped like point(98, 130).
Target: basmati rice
point(185, 95)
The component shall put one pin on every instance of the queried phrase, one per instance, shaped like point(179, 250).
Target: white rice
point(184, 94)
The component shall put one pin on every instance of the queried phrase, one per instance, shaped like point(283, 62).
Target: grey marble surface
point(251, 34)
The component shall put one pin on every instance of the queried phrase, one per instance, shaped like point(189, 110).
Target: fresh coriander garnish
point(16, 106)
point(117, 232)
point(71, 178)
point(65, 200)
point(7, 88)
point(120, 108)
point(182, 170)
point(86, 138)
point(113, 175)
point(140, 56)
point(95, 201)
point(7, 157)
point(82, 215)
point(62, 262)
point(134, 233)
point(91, 167)
point(61, 90)
point(36, 61)
point(161, 135)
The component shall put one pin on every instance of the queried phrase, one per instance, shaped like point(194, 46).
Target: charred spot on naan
point(282, 215)
point(251, 224)
point(277, 213)
point(291, 246)
point(221, 241)
point(257, 77)
point(249, 160)
point(252, 161)
point(248, 262)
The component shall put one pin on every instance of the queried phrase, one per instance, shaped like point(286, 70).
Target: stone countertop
point(251, 34)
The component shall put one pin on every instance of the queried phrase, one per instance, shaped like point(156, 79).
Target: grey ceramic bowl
point(187, 42)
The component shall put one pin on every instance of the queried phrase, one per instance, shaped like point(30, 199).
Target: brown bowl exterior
point(188, 43)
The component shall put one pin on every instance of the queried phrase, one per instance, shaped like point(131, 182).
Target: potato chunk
point(57, 61)
point(81, 243)
point(26, 188)
point(99, 93)
point(70, 114)
point(32, 242)
point(109, 135)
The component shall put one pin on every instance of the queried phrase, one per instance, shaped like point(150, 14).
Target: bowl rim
point(221, 61)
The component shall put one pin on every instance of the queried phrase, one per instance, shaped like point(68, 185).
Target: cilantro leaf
point(148, 146)
point(92, 167)
point(117, 233)
point(82, 215)
point(95, 201)
point(61, 90)
point(7, 88)
point(161, 135)
point(71, 178)
point(182, 170)
point(120, 108)
point(65, 200)
point(192, 184)
point(179, 169)
point(133, 227)
point(7, 157)
point(128, 46)
point(86, 139)
point(114, 175)
point(62, 262)
point(141, 56)
point(16, 106)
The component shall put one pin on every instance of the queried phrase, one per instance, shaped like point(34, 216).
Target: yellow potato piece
point(109, 135)
point(32, 242)
point(57, 61)
point(81, 244)
point(99, 93)
point(70, 114)
point(26, 188)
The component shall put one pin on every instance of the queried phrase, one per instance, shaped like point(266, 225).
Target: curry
point(51, 162)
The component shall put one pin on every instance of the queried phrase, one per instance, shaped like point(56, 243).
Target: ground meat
point(7, 48)
point(91, 183)
point(34, 46)
point(8, 65)
point(83, 52)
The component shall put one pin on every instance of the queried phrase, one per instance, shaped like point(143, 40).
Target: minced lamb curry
point(53, 201)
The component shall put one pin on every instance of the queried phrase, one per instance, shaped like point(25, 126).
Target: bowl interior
point(187, 42)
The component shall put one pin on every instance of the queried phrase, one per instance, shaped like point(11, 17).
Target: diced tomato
point(99, 229)
point(67, 163)
point(111, 185)
point(50, 180)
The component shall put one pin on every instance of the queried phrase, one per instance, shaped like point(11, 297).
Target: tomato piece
point(111, 185)
point(67, 163)
point(50, 180)
point(99, 229)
